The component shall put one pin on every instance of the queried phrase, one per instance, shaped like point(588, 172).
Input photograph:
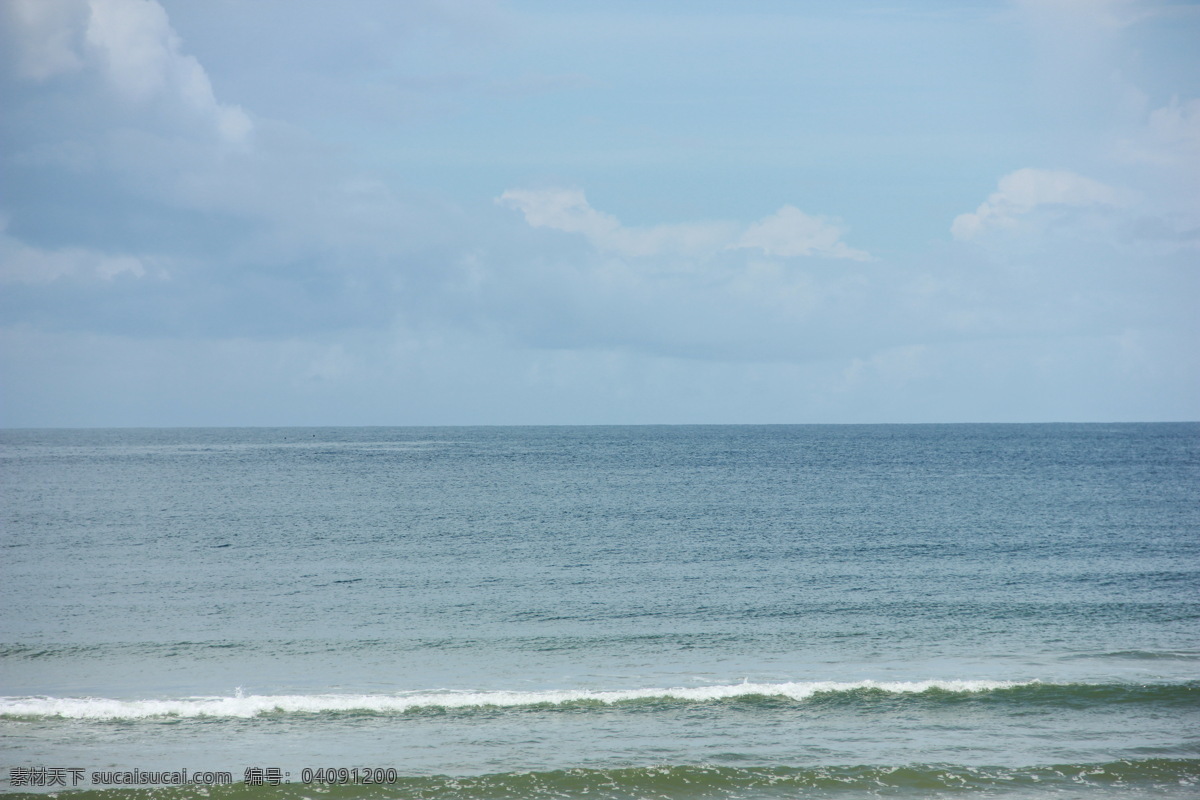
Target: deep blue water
point(724, 611)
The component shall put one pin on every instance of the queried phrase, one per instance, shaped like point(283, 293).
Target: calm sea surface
point(604, 612)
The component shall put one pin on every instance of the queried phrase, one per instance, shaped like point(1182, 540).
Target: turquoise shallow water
point(725, 611)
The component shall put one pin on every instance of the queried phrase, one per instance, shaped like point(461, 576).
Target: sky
point(462, 212)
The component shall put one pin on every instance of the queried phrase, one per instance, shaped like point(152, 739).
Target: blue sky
point(290, 212)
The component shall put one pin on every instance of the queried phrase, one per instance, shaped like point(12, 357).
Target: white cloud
point(568, 210)
point(561, 209)
point(137, 46)
point(1178, 126)
point(21, 263)
point(1022, 192)
point(787, 233)
point(1170, 137)
point(790, 232)
point(47, 44)
point(132, 45)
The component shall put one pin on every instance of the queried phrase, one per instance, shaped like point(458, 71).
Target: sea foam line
point(247, 706)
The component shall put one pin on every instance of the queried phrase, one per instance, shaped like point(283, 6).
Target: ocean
point(905, 611)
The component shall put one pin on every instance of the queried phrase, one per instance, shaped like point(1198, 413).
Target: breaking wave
point(1033, 693)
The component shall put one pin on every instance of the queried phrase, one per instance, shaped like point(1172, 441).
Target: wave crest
point(939, 691)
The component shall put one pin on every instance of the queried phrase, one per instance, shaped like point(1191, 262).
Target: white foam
point(246, 706)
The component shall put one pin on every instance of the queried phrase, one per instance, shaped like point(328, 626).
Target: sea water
point(602, 612)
